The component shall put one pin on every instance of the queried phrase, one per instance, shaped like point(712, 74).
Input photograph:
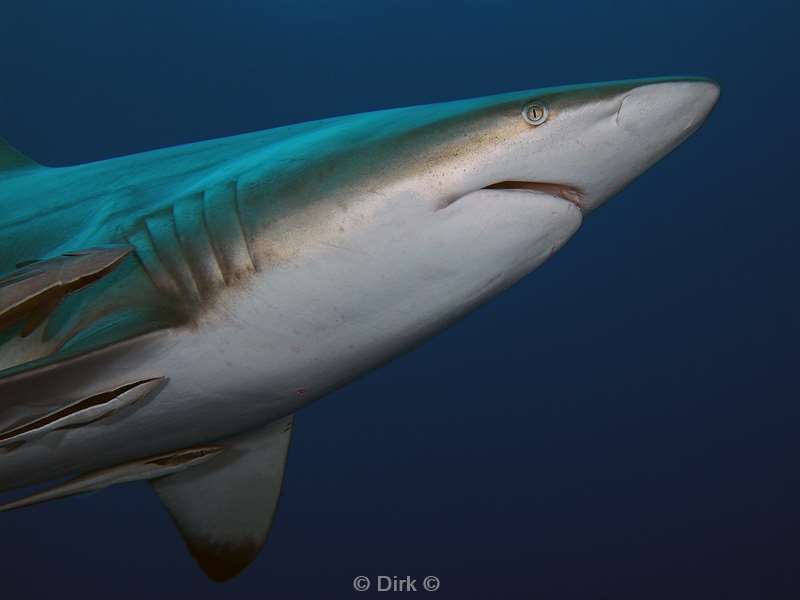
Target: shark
point(164, 315)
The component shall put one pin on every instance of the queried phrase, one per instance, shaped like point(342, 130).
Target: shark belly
point(308, 325)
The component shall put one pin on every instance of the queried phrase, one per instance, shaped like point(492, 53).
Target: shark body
point(162, 302)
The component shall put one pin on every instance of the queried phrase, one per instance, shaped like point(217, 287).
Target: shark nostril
point(619, 109)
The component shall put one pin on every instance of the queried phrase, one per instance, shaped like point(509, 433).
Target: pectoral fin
point(224, 509)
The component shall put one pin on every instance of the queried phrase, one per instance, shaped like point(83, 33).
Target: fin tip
point(222, 563)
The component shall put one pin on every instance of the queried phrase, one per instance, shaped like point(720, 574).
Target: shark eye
point(535, 113)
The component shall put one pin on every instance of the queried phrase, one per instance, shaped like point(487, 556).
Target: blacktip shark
point(164, 315)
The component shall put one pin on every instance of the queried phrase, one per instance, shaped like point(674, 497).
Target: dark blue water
point(622, 424)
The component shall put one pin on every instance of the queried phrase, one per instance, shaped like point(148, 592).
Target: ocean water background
point(624, 423)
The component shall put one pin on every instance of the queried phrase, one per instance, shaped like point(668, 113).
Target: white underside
point(308, 326)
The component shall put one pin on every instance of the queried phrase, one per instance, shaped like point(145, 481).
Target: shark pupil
point(534, 113)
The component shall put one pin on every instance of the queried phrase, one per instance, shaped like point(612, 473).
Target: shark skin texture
point(164, 315)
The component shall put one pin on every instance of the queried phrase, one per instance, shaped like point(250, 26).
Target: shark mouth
point(571, 194)
point(567, 192)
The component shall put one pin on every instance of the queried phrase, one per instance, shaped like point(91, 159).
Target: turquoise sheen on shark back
point(164, 315)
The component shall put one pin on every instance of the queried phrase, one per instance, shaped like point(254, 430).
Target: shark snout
point(661, 115)
point(642, 124)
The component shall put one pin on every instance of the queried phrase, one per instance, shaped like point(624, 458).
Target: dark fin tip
point(222, 562)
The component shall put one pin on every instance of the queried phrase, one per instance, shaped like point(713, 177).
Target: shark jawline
point(571, 194)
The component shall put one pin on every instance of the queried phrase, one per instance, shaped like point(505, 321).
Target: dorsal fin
point(224, 511)
point(12, 159)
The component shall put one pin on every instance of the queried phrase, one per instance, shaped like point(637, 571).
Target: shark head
point(432, 175)
point(398, 222)
point(580, 143)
